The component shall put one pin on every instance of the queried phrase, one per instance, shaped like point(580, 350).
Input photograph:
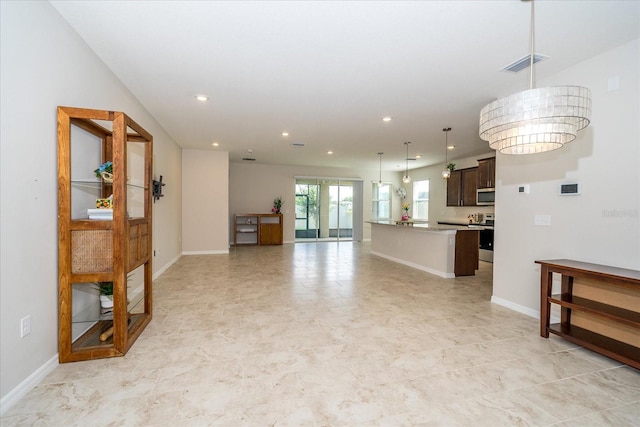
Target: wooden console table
point(607, 309)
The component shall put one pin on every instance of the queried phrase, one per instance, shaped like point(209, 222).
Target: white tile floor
point(328, 335)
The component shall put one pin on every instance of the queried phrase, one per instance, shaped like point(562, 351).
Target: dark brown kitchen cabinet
point(487, 173)
point(461, 187)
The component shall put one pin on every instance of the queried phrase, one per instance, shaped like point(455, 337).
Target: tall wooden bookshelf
point(114, 250)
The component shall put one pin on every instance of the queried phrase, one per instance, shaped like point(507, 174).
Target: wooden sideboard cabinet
point(599, 307)
point(100, 249)
point(271, 232)
point(257, 229)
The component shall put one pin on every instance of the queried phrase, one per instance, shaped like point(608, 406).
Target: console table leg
point(546, 281)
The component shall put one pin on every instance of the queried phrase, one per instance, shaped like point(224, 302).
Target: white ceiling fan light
point(538, 119)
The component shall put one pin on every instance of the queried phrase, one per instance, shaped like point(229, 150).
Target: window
point(421, 200)
point(381, 201)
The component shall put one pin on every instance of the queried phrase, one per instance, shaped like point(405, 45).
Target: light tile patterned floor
point(328, 335)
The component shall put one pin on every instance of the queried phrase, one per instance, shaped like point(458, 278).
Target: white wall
point(252, 188)
point(602, 225)
point(205, 208)
point(45, 64)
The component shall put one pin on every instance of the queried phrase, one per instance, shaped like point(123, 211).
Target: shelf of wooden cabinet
point(602, 344)
point(257, 229)
point(609, 327)
point(617, 314)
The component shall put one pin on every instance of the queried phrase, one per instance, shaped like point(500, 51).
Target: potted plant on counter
point(405, 208)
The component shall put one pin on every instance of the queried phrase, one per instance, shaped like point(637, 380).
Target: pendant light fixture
point(380, 177)
point(406, 178)
point(446, 172)
point(535, 120)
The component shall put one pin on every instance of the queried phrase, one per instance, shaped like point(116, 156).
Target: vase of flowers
point(277, 205)
point(105, 171)
point(405, 208)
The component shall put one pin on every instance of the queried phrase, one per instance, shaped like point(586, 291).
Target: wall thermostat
point(569, 189)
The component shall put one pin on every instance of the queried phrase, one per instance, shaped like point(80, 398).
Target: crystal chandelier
point(446, 172)
point(406, 178)
point(535, 120)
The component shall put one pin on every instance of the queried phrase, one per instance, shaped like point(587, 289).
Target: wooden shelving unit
point(106, 250)
point(257, 229)
point(603, 326)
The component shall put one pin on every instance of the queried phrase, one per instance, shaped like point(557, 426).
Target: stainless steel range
point(486, 237)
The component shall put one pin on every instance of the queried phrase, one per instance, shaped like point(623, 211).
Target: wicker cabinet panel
point(91, 251)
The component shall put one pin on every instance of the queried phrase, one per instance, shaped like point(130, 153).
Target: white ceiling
point(327, 72)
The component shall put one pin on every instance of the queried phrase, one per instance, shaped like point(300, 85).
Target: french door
point(328, 209)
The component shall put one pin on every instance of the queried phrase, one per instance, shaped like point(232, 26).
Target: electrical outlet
point(25, 326)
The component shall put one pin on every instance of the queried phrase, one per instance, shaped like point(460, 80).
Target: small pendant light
point(446, 172)
point(380, 178)
point(406, 178)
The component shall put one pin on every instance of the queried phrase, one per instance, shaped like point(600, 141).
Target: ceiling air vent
point(249, 159)
point(523, 63)
point(297, 144)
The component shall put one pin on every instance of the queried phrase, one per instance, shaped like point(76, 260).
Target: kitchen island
point(446, 251)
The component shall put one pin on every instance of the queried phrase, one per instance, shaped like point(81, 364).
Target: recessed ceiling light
point(451, 147)
point(202, 98)
point(329, 152)
point(215, 144)
point(386, 119)
point(285, 133)
point(250, 150)
point(418, 156)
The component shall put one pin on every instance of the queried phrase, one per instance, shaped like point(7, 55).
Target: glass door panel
point(307, 210)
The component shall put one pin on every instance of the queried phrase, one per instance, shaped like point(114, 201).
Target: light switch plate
point(542, 220)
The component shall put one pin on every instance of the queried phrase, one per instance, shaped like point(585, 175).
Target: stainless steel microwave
point(486, 197)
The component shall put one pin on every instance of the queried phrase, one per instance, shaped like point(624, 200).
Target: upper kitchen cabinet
point(461, 187)
point(487, 173)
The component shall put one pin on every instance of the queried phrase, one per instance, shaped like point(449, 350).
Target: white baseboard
point(521, 309)
point(165, 267)
point(221, 252)
point(516, 307)
point(27, 385)
point(416, 266)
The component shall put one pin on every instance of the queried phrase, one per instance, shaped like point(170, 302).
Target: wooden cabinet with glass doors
point(103, 248)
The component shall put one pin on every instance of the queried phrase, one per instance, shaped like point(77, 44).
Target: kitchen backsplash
point(461, 213)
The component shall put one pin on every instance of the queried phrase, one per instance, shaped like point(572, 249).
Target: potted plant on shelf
point(277, 205)
point(106, 295)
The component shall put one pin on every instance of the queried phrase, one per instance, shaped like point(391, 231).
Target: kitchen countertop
point(477, 225)
point(421, 226)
